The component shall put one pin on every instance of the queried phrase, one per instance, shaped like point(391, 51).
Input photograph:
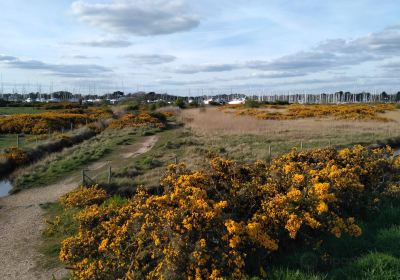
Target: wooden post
point(176, 160)
point(109, 174)
point(17, 140)
point(301, 145)
point(72, 126)
point(269, 151)
point(330, 143)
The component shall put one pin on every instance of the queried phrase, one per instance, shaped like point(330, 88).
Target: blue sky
point(183, 46)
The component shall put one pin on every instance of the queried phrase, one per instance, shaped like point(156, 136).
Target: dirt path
point(21, 223)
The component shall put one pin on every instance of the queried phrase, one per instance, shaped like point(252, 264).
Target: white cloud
point(62, 70)
point(137, 17)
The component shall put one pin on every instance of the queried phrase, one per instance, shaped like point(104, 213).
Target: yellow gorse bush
point(220, 222)
point(15, 154)
point(50, 121)
point(137, 120)
point(340, 112)
point(84, 196)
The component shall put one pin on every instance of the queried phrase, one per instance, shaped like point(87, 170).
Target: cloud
point(295, 64)
point(6, 58)
point(192, 69)
point(392, 65)
point(328, 55)
point(62, 70)
point(137, 17)
point(104, 43)
point(384, 43)
point(151, 59)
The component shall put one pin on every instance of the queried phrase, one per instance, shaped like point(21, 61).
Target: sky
point(190, 47)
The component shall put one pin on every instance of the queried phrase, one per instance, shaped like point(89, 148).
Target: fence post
point(17, 140)
point(301, 145)
point(269, 151)
point(72, 126)
point(109, 174)
point(176, 160)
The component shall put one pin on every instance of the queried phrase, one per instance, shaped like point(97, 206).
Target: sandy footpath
point(21, 223)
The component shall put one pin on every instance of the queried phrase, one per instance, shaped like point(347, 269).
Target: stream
point(5, 187)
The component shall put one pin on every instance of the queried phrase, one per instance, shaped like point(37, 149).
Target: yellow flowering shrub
point(15, 154)
point(296, 111)
point(137, 120)
point(44, 123)
point(227, 220)
point(84, 196)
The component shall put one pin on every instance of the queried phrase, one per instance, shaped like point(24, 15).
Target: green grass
point(54, 235)
point(373, 255)
point(60, 165)
point(147, 169)
point(10, 140)
point(20, 110)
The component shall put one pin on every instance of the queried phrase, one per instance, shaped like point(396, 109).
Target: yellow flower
point(298, 178)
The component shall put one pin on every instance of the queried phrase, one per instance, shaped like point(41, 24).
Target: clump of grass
point(373, 266)
point(287, 274)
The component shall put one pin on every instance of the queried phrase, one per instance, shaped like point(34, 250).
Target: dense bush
point(44, 123)
point(154, 119)
point(292, 112)
point(227, 221)
point(84, 196)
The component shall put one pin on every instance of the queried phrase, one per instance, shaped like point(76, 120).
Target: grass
point(55, 233)
point(59, 165)
point(20, 110)
point(248, 138)
point(147, 169)
point(373, 255)
point(10, 140)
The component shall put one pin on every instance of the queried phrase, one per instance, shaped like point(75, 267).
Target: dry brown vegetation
point(241, 136)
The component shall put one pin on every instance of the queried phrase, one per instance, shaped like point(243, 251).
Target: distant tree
point(252, 103)
point(180, 103)
point(118, 94)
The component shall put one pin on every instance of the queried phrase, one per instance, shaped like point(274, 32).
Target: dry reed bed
point(245, 137)
point(211, 121)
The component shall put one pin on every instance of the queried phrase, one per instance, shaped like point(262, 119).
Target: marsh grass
point(246, 138)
